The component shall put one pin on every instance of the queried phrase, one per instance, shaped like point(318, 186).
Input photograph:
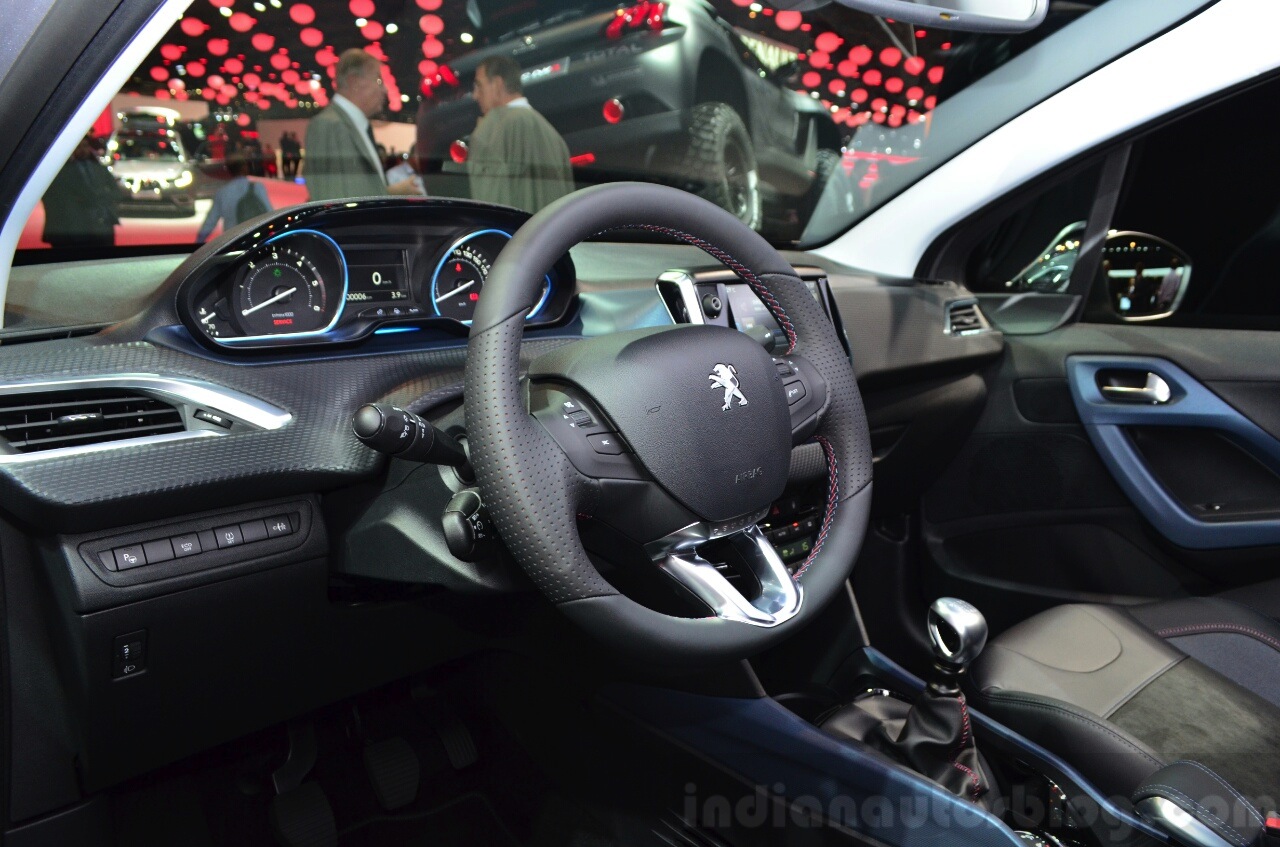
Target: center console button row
point(181, 546)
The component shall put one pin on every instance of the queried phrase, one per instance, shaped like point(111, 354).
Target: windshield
point(799, 123)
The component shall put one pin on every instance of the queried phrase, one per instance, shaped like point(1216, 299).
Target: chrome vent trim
point(964, 317)
point(163, 409)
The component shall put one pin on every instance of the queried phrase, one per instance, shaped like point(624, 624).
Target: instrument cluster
point(319, 279)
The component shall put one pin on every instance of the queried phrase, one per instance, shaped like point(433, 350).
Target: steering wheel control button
point(129, 655)
point(606, 443)
point(278, 526)
point(580, 419)
point(396, 432)
point(158, 551)
point(213, 418)
point(228, 536)
point(186, 545)
point(252, 531)
point(466, 527)
point(794, 390)
point(129, 557)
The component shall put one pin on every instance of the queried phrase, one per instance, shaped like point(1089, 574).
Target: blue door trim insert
point(1190, 405)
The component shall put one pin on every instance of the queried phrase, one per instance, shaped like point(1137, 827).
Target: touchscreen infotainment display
point(750, 315)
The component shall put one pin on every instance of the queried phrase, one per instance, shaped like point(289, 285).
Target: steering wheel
point(669, 437)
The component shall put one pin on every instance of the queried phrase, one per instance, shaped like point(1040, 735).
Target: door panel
point(1062, 495)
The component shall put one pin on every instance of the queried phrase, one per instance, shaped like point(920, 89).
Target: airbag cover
point(665, 390)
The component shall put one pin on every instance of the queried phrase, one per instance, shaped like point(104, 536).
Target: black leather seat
point(1119, 692)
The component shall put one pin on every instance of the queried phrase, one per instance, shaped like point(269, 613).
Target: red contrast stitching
point(737, 267)
point(964, 740)
point(833, 497)
point(1197, 629)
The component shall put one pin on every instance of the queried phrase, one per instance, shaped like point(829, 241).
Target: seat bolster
point(1115, 761)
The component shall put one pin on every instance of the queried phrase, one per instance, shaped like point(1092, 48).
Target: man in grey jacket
point(342, 158)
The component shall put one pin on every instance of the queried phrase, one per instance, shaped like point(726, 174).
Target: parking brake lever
point(396, 432)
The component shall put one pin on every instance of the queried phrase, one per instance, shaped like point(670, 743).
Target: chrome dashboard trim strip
point(180, 390)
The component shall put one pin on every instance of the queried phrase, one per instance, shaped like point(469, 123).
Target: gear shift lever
point(957, 633)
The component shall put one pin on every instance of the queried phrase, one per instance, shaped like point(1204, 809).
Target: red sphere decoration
point(195, 68)
point(872, 77)
point(427, 68)
point(263, 41)
point(233, 66)
point(836, 87)
point(431, 24)
point(915, 92)
point(828, 42)
point(372, 30)
point(159, 74)
point(879, 104)
point(361, 8)
point(242, 119)
point(280, 61)
point(290, 77)
point(859, 95)
point(913, 65)
point(811, 79)
point(252, 81)
point(432, 48)
point(890, 56)
point(193, 27)
point(935, 74)
point(302, 14)
point(429, 5)
point(788, 20)
point(311, 37)
point(893, 85)
point(326, 58)
point(819, 59)
point(241, 22)
point(218, 46)
point(222, 4)
point(860, 55)
point(172, 52)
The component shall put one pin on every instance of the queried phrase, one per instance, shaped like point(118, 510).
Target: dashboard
point(335, 273)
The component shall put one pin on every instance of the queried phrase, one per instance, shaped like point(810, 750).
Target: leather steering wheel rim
point(535, 495)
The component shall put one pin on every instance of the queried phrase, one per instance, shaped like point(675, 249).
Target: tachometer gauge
point(295, 284)
point(460, 276)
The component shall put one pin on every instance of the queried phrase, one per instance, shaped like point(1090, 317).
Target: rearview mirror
point(1146, 276)
point(964, 15)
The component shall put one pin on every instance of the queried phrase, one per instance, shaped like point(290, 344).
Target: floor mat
point(469, 819)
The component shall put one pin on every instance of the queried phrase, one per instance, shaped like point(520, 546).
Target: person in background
point(80, 205)
point(517, 158)
point(236, 202)
point(342, 156)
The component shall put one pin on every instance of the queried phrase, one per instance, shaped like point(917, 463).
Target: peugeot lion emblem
point(725, 376)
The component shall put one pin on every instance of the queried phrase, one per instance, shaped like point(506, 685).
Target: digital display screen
point(376, 275)
point(751, 316)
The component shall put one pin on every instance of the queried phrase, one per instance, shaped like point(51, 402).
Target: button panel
point(167, 549)
point(129, 655)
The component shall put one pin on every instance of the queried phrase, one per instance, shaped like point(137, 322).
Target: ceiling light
point(259, 7)
point(392, 29)
point(225, 11)
point(466, 38)
point(360, 22)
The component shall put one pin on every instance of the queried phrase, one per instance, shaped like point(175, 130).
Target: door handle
point(1154, 391)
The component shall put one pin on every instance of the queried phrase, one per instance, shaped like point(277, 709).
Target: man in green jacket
point(342, 158)
point(517, 158)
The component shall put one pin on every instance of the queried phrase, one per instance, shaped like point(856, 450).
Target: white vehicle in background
point(149, 162)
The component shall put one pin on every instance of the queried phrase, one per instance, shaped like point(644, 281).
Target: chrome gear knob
point(957, 632)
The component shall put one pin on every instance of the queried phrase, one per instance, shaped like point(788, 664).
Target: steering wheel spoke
point(779, 597)
point(806, 393)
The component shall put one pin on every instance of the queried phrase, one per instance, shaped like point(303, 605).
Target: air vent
point(32, 422)
point(965, 318)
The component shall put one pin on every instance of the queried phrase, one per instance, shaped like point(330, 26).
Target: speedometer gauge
point(460, 276)
point(295, 284)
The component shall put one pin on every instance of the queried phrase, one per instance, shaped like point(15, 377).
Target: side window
point(1034, 246)
point(1208, 187)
